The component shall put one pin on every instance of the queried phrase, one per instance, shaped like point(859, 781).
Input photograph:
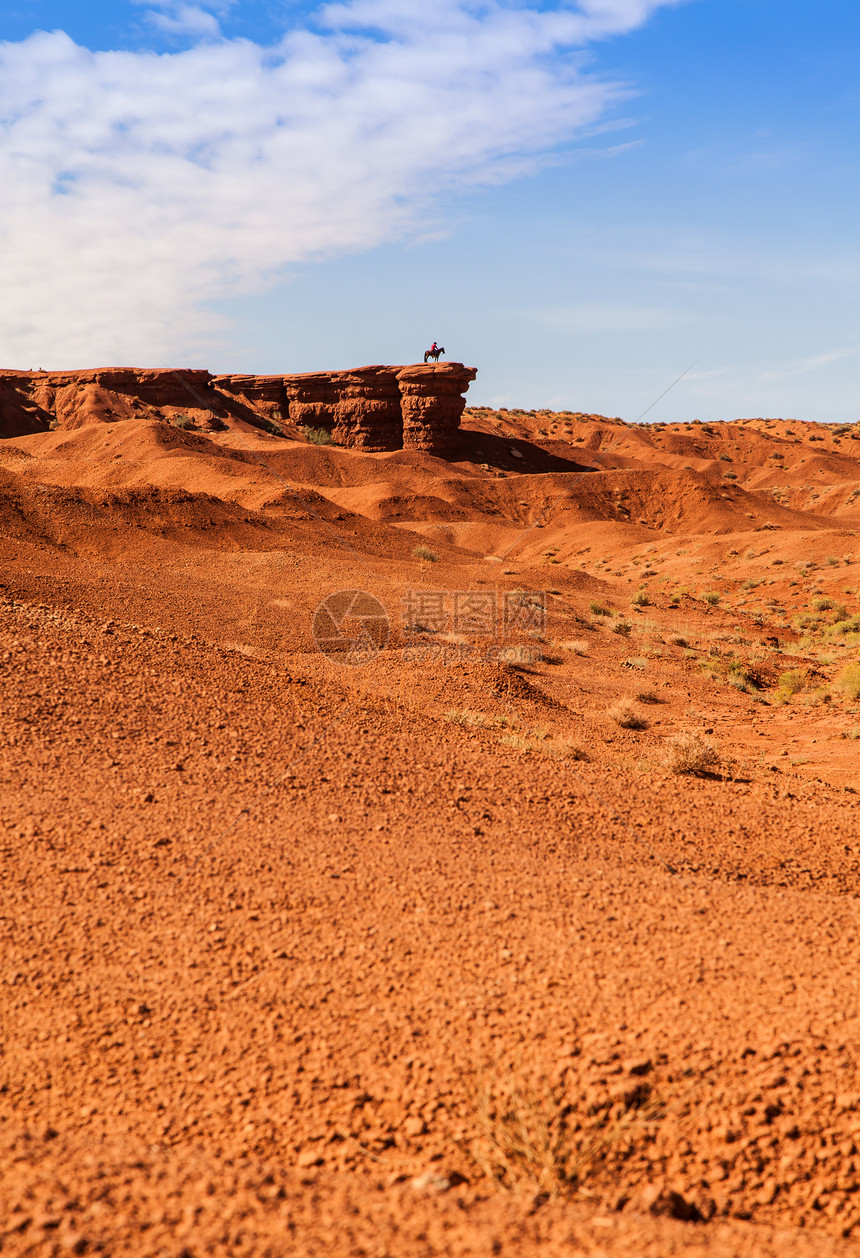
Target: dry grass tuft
point(624, 713)
point(691, 754)
point(576, 647)
point(568, 750)
point(462, 716)
point(530, 1138)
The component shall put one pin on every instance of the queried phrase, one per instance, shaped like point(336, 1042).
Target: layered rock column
point(368, 414)
point(311, 400)
point(432, 402)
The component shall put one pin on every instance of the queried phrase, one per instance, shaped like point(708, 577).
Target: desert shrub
point(315, 436)
point(623, 627)
point(832, 560)
point(424, 552)
point(678, 640)
point(822, 604)
point(514, 741)
point(729, 476)
point(792, 682)
point(624, 713)
point(646, 696)
point(842, 627)
point(641, 599)
point(848, 681)
point(711, 597)
point(598, 609)
point(182, 421)
point(690, 753)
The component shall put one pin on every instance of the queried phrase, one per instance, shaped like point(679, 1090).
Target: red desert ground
point(424, 833)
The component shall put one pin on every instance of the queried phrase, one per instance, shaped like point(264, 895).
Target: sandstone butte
point(375, 408)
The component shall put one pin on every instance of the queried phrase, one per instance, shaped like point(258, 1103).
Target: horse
point(434, 354)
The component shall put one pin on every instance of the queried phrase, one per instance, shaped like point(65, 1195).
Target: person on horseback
point(435, 352)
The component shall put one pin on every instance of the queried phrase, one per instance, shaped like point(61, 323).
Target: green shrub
point(182, 421)
point(598, 609)
point(844, 627)
point(711, 597)
point(316, 436)
point(641, 599)
point(848, 681)
point(792, 682)
point(269, 426)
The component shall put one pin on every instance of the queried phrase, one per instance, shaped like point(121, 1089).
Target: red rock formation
point(359, 408)
point(370, 408)
point(70, 399)
point(432, 403)
point(264, 394)
point(20, 413)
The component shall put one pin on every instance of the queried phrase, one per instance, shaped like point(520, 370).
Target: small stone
point(431, 1181)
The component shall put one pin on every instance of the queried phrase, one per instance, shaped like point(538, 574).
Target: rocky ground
point(432, 951)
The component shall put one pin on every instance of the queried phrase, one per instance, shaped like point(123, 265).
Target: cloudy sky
point(582, 199)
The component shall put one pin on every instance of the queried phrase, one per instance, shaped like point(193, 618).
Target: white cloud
point(186, 19)
point(815, 363)
point(137, 187)
point(179, 18)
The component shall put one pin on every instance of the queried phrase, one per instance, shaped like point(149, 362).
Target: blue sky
point(579, 211)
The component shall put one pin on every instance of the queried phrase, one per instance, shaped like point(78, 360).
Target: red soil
point(429, 955)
